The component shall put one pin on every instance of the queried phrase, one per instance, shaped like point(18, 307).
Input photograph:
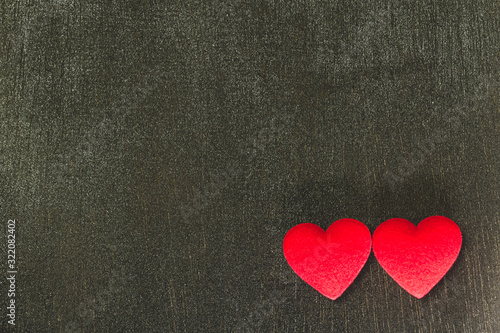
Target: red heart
point(417, 257)
point(328, 261)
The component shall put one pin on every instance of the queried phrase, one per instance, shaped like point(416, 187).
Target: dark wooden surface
point(155, 154)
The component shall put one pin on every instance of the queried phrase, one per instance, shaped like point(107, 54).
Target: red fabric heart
point(417, 257)
point(328, 261)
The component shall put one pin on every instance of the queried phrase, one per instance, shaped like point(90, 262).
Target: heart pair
point(415, 257)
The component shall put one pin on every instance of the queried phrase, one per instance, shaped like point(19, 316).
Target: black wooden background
point(155, 153)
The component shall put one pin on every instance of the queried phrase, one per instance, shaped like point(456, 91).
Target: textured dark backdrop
point(155, 154)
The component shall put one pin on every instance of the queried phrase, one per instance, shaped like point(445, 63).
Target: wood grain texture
point(156, 153)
